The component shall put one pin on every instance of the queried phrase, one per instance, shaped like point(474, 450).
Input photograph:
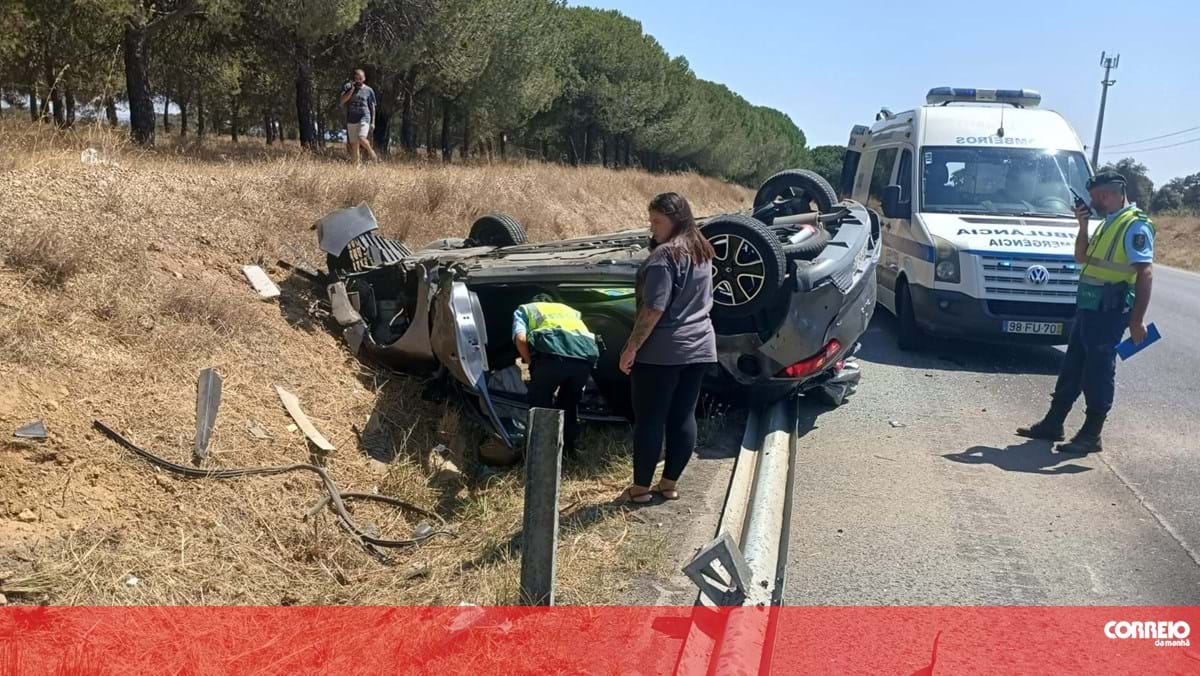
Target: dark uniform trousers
point(558, 382)
point(1090, 365)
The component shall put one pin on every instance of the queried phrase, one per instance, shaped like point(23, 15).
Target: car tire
point(809, 248)
point(909, 335)
point(497, 230)
point(797, 183)
point(749, 268)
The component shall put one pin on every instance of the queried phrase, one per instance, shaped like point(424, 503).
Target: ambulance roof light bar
point(1020, 98)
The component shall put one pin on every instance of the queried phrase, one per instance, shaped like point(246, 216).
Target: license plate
point(1035, 328)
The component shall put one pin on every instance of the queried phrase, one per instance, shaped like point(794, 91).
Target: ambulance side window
point(881, 175)
point(904, 176)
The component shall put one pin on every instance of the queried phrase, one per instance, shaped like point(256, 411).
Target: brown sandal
point(667, 493)
point(638, 499)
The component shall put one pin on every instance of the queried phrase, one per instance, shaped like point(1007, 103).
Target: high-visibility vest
point(554, 328)
point(1108, 260)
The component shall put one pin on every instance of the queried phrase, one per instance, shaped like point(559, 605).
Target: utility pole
point(1110, 64)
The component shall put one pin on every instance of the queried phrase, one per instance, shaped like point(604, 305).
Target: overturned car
point(793, 281)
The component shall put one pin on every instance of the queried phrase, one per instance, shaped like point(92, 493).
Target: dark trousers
point(1091, 362)
point(664, 405)
point(558, 382)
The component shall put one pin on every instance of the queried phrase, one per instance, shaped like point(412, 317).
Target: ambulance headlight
point(947, 268)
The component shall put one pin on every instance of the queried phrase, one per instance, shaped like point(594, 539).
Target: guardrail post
point(539, 534)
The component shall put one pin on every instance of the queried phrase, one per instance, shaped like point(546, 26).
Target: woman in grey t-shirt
point(671, 346)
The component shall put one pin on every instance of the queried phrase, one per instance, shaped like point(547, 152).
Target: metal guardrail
point(745, 564)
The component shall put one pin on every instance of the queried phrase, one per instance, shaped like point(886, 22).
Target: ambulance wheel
point(748, 269)
point(497, 230)
point(909, 335)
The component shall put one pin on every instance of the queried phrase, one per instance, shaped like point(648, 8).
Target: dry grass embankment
point(120, 281)
point(1178, 241)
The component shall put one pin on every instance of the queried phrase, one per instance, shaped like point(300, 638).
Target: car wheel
point(497, 230)
point(749, 266)
point(810, 248)
point(910, 335)
point(808, 188)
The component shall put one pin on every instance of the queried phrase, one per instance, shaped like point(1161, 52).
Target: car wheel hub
point(740, 272)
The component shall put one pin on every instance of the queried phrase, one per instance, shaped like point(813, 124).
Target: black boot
point(1087, 440)
point(1049, 428)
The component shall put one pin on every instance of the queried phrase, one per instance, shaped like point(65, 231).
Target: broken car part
point(33, 430)
point(292, 404)
point(208, 401)
point(333, 496)
point(262, 284)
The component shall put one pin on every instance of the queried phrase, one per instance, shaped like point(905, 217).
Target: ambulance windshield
point(1003, 181)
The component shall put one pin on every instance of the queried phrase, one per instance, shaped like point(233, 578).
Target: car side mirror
point(893, 207)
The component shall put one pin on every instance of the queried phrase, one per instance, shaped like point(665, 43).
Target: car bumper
point(957, 315)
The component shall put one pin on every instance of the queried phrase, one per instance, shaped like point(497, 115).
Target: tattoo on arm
point(647, 319)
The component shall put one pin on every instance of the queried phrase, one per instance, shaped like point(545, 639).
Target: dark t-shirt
point(683, 291)
point(358, 108)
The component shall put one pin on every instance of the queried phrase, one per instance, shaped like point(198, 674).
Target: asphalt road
point(917, 491)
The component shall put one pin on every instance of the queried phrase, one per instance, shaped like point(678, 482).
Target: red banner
point(686, 640)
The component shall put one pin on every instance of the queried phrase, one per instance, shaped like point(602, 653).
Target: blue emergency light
point(1021, 98)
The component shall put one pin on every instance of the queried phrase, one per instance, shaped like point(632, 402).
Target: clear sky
point(831, 64)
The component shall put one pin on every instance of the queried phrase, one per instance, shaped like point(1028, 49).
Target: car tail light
point(814, 363)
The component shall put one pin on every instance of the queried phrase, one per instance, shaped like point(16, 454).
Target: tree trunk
point(55, 96)
point(233, 119)
point(70, 106)
point(589, 144)
point(447, 149)
point(382, 136)
point(304, 107)
point(503, 146)
point(604, 151)
point(268, 130)
point(110, 111)
point(137, 85)
point(183, 118)
point(199, 117)
point(321, 131)
point(466, 145)
point(408, 131)
point(429, 125)
point(33, 104)
point(628, 143)
point(166, 112)
point(572, 152)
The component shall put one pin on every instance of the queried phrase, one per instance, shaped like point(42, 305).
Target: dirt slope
point(120, 280)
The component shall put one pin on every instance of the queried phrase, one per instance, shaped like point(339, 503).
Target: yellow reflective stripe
point(1116, 231)
point(547, 316)
point(1110, 265)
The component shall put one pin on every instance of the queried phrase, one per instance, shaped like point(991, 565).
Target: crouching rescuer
point(1114, 292)
point(561, 351)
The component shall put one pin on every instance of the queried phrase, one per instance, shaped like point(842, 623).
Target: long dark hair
point(685, 235)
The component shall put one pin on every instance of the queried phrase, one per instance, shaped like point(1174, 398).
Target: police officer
point(1114, 292)
point(554, 341)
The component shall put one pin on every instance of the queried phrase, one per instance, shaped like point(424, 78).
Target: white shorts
point(358, 130)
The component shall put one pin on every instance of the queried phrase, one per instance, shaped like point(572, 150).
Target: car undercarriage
point(794, 290)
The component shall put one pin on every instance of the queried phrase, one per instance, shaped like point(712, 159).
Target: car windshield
point(1005, 181)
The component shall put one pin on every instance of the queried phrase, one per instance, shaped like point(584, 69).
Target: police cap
point(1106, 178)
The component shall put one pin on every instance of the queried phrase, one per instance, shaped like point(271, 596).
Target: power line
point(1153, 138)
point(1143, 150)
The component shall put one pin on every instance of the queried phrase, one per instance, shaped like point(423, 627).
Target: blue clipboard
point(1127, 349)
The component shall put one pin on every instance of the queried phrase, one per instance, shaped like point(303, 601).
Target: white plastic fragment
point(260, 281)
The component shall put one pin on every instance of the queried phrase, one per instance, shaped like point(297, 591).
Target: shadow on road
point(1031, 457)
point(943, 354)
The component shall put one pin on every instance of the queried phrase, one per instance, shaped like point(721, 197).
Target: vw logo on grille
point(1037, 274)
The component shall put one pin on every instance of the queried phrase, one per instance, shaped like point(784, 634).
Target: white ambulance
point(973, 192)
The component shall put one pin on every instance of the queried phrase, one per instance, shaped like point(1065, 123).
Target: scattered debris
point(416, 570)
point(896, 423)
point(257, 431)
point(260, 281)
point(292, 428)
point(27, 515)
point(92, 156)
point(442, 450)
point(292, 404)
point(208, 401)
point(302, 270)
point(33, 430)
point(884, 457)
point(422, 531)
point(132, 581)
point(3, 600)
